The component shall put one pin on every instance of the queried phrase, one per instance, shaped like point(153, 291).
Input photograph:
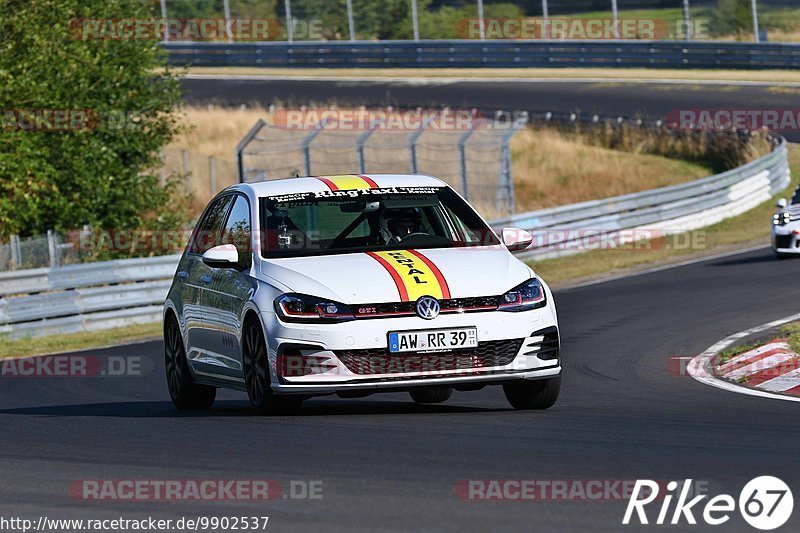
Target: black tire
point(539, 394)
point(183, 391)
point(437, 395)
point(257, 379)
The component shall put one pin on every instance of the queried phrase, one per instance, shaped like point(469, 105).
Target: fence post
point(306, 145)
point(212, 173)
point(163, 171)
point(360, 142)
point(462, 157)
point(15, 252)
point(51, 248)
point(249, 136)
point(505, 187)
point(412, 140)
point(186, 170)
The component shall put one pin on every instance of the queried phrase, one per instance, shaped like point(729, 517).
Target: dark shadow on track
point(766, 258)
point(230, 408)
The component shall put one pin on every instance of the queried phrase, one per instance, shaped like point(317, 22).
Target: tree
point(101, 174)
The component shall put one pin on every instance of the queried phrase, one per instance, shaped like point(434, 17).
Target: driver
point(399, 223)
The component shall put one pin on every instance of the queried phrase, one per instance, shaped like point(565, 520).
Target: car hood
point(402, 276)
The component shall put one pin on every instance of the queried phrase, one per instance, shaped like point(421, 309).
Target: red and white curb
point(771, 371)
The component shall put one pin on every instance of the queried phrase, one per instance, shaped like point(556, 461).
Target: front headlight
point(303, 308)
point(781, 219)
point(524, 297)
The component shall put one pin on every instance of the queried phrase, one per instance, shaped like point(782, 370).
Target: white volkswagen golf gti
point(352, 285)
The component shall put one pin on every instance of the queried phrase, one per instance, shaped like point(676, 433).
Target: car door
point(194, 276)
point(223, 299)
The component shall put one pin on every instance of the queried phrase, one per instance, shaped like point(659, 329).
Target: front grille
point(783, 241)
point(543, 344)
point(453, 305)
point(380, 361)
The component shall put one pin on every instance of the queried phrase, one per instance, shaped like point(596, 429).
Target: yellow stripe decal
point(349, 182)
point(415, 277)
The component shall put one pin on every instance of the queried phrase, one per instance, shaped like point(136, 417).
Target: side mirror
point(516, 239)
point(222, 256)
point(781, 203)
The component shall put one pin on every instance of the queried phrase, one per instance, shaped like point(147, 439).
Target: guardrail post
point(248, 137)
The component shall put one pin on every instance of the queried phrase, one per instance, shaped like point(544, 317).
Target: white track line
point(417, 80)
point(700, 366)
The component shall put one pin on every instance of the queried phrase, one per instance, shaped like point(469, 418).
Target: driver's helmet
point(397, 223)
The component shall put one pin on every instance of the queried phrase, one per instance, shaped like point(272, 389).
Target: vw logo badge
point(428, 308)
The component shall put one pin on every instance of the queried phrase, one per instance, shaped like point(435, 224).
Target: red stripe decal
point(331, 185)
point(398, 281)
point(436, 272)
point(369, 181)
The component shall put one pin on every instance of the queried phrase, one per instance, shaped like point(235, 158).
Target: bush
point(104, 174)
point(732, 17)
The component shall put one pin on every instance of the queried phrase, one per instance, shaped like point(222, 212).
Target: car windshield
point(394, 218)
point(796, 197)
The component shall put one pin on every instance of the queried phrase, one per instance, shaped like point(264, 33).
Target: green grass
point(726, 355)
point(792, 333)
point(73, 342)
point(750, 228)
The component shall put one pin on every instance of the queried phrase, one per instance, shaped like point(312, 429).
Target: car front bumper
point(352, 356)
point(785, 241)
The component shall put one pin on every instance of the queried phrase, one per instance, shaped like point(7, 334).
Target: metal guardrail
point(117, 293)
point(84, 297)
point(491, 53)
point(574, 228)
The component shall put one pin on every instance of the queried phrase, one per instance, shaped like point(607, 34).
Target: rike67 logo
point(765, 503)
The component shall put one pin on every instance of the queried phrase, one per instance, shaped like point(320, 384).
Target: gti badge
point(428, 308)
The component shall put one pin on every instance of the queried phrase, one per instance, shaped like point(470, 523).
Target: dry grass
point(750, 228)
point(211, 132)
point(551, 169)
point(767, 76)
point(73, 342)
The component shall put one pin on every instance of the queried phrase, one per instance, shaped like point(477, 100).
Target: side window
point(208, 231)
point(237, 230)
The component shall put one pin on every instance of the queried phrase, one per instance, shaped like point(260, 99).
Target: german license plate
point(432, 340)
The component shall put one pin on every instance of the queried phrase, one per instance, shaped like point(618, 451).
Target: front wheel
point(183, 391)
point(539, 394)
point(257, 377)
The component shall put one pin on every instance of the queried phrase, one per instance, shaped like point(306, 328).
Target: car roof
point(279, 187)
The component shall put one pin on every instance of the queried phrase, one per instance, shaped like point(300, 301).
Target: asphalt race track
point(388, 464)
point(653, 100)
